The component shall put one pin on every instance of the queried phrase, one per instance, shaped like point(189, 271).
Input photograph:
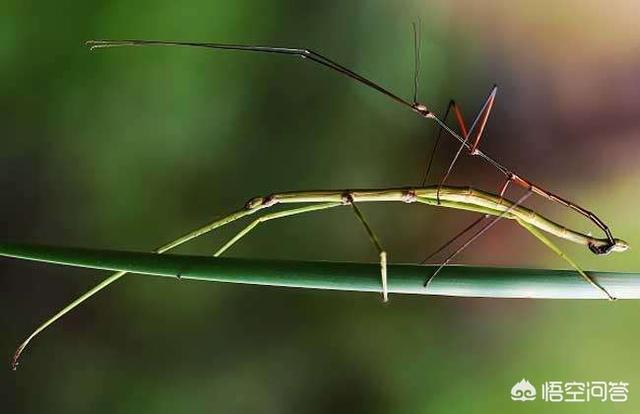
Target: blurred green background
point(130, 148)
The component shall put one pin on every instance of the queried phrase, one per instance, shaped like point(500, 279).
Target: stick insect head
point(618, 246)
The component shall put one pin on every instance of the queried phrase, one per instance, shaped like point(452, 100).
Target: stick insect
point(461, 198)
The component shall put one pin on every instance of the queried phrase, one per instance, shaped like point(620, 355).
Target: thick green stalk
point(469, 281)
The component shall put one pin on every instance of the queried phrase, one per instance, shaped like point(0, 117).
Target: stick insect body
point(461, 198)
point(419, 108)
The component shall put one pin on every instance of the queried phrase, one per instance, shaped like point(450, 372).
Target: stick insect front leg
point(248, 210)
point(544, 239)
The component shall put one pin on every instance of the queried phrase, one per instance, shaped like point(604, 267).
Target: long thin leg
point(479, 233)
point(463, 129)
point(454, 238)
point(503, 190)
point(378, 246)
point(273, 216)
point(482, 117)
point(450, 106)
point(486, 111)
point(416, 107)
point(563, 255)
point(115, 276)
point(307, 209)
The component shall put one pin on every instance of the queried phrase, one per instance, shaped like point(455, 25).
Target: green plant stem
point(467, 281)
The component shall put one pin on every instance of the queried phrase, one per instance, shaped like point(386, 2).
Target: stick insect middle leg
point(317, 207)
point(273, 216)
point(376, 244)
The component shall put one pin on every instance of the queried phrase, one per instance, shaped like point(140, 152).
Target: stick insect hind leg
point(248, 210)
point(251, 207)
